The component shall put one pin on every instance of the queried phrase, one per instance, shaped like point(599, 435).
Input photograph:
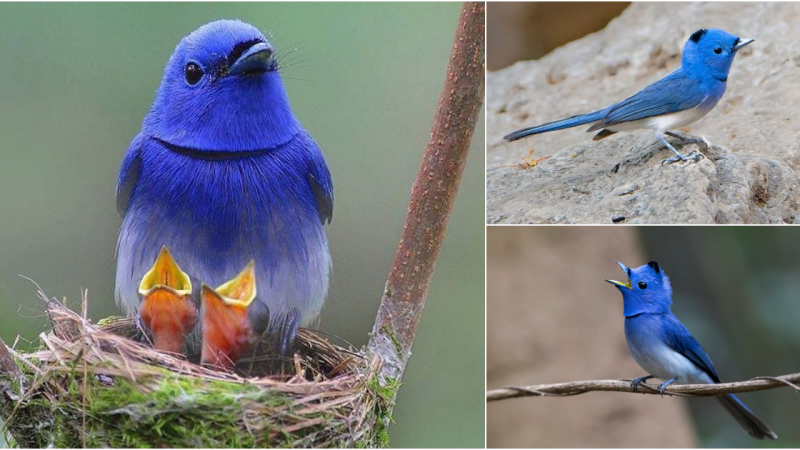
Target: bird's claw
point(663, 385)
point(694, 156)
point(639, 380)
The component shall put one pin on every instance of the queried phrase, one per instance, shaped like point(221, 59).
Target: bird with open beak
point(168, 313)
point(232, 321)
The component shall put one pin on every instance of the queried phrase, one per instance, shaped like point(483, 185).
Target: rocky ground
point(749, 174)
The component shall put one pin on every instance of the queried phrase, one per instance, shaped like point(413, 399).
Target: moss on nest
point(92, 386)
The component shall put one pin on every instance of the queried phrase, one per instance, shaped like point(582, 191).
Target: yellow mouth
point(165, 274)
point(627, 271)
point(619, 283)
point(240, 291)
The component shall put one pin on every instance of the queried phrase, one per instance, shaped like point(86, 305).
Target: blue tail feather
point(570, 122)
point(752, 424)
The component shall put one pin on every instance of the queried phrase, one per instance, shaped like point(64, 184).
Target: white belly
point(665, 363)
point(663, 122)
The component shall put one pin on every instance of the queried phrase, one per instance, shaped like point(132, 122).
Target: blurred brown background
point(529, 30)
point(551, 318)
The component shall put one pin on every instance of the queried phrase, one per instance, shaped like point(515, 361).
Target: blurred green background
point(551, 318)
point(364, 79)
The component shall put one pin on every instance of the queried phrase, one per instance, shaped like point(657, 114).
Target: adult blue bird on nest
point(223, 173)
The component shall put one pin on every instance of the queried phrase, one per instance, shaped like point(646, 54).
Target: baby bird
point(168, 312)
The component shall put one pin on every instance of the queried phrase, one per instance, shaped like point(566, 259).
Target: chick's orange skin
point(227, 335)
point(169, 317)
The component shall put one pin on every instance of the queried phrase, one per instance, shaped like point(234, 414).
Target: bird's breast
point(644, 334)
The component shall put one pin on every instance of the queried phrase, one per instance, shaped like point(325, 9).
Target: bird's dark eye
point(193, 73)
point(642, 285)
point(718, 50)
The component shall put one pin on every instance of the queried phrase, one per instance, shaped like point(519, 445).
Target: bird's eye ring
point(193, 73)
point(718, 50)
point(642, 285)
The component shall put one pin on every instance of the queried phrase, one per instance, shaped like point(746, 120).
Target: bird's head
point(646, 291)
point(221, 92)
point(712, 51)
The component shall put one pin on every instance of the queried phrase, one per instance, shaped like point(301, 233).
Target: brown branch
point(432, 197)
point(683, 390)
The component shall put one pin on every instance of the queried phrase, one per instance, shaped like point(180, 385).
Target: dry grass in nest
point(92, 386)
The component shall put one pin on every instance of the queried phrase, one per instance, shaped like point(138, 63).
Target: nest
point(92, 386)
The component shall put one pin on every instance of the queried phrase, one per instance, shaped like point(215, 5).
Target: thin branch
point(683, 390)
point(432, 197)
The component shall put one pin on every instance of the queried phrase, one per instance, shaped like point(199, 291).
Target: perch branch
point(432, 197)
point(683, 390)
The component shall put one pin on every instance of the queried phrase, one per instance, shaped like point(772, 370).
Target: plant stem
point(432, 197)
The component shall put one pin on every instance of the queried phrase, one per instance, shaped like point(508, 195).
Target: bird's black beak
point(619, 283)
point(256, 59)
point(742, 42)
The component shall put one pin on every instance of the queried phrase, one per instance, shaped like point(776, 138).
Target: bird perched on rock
point(679, 99)
point(230, 327)
point(222, 172)
point(168, 312)
point(662, 346)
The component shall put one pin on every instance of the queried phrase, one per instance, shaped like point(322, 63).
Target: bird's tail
point(754, 426)
point(573, 121)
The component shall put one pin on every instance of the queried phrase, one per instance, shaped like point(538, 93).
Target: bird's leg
point(678, 157)
point(289, 332)
point(665, 384)
point(702, 144)
point(636, 381)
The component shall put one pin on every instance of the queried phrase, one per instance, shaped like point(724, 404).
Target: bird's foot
point(694, 156)
point(637, 381)
point(663, 385)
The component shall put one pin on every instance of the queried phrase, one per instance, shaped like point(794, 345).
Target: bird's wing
point(129, 174)
point(319, 179)
point(679, 339)
point(673, 93)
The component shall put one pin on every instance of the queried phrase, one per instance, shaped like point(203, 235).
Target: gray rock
point(748, 175)
point(621, 180)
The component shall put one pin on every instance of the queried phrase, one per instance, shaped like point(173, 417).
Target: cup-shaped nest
point(93, 386)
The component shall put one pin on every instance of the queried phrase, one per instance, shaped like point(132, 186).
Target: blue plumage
point(662, 346)
point(679, 99)
point(222, 173)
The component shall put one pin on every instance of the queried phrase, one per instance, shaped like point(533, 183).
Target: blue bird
point(679, 99)
point(221, 173)
point(662, 346)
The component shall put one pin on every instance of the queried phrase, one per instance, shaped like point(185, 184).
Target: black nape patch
point(240, 48)
point(654, 265)
point(695, 37)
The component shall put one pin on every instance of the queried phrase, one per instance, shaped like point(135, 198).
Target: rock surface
point(748, 176)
